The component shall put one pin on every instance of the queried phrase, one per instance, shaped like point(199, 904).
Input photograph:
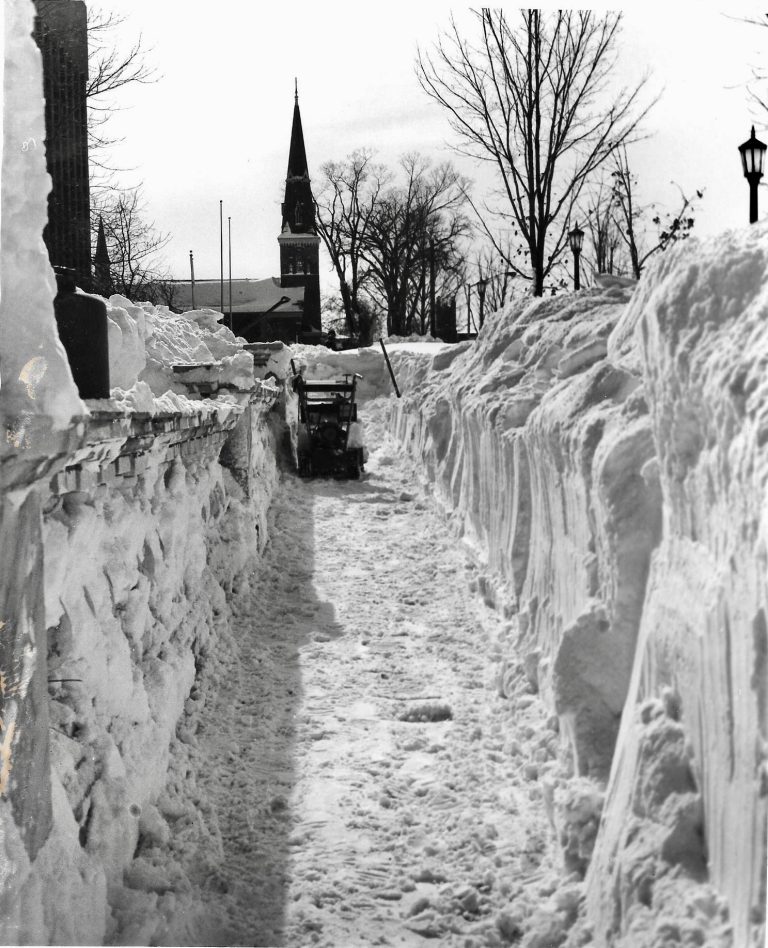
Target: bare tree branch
point(532, 97)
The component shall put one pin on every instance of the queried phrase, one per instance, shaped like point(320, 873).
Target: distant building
point(61, 34)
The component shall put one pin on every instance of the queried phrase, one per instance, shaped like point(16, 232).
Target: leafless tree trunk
point(345, 202)
point(531, 99)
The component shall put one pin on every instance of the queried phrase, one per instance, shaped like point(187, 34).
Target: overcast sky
point(216, 124)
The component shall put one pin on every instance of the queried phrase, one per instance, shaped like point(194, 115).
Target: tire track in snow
point(340, 823)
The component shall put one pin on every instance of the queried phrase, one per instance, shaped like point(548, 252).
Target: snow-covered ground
point(359, 775)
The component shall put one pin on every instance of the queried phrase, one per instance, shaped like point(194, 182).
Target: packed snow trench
point(360, 779)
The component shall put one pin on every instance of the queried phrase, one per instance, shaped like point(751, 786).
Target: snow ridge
point(603, 456)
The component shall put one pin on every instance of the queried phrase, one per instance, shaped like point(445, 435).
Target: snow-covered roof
point(266, 294)
point(248, 296)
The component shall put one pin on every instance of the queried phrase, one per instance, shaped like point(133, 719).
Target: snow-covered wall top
point(155, 354)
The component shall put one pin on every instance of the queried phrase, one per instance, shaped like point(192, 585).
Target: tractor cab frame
point(327, 416)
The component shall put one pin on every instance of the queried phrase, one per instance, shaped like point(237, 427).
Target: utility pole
point(432, 326)
point(192, 273)
point(221, 251)
point(229, 236)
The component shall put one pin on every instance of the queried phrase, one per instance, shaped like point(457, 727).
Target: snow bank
point(701, 669)
point(602, 455)
point(322, 363)
point(146, 342)
point(37, 393)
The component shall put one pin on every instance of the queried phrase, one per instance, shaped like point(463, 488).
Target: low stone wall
point(126, 556)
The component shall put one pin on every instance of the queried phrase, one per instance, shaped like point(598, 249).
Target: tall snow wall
point(604, 454)
point(124, 526)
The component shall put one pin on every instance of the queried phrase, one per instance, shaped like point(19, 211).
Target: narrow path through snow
point(341, 823)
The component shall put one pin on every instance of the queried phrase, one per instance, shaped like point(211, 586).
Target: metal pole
point(192, 272)
point(229, 237)
point(753, 182)
point(432, 321)
point(389, 366)
point(468, 294)
point(221, 250)
point(576, 274)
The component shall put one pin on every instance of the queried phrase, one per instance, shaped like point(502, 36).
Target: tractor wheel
point(353, 466)
point(305, 464)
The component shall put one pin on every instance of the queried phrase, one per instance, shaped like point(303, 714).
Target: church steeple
point(102, 272)
point(298, 240)
point(298, 207)
point(297, 157)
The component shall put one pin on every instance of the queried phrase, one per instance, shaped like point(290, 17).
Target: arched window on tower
point(298, 215)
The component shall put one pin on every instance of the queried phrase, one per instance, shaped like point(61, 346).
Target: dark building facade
point(61, 34)
point(298, 240)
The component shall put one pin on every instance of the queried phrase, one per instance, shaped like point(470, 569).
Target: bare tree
point(133, 245)
point(492, 268)
point(759, 74)
point(347, 196)
point(412, 228)
point(628, 217)
point(109, 70)
point(531, 98)
point(162, 290)
point(605, 252)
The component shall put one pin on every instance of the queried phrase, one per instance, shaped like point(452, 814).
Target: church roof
point(248, 296)
point(267, 294)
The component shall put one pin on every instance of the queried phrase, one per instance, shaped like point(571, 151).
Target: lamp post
point(192, 273)
point(752, 158)
point(576, 239)
point(482, 285)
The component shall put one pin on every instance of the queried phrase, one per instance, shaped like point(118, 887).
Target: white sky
point(217, 123)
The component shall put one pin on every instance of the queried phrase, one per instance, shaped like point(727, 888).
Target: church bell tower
point(298, 240)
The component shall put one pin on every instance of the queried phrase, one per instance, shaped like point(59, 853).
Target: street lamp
point(576, 239)
point(482, 285)
point(752, 157)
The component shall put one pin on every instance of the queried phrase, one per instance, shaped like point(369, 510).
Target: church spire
point(297, 156)
point(298, 206)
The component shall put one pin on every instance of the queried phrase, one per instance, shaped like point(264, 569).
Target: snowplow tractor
point(330, 436)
